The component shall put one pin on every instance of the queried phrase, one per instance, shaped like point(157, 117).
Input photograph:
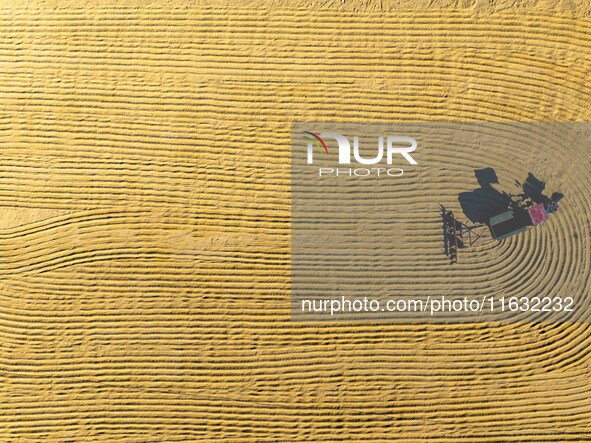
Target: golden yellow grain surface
point(145, 221)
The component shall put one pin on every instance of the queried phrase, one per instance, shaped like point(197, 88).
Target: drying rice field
point(145, 221)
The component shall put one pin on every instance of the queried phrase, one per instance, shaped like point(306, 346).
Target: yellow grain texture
point(145, 221)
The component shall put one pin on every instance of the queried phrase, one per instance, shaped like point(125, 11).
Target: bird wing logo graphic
point(316, 140)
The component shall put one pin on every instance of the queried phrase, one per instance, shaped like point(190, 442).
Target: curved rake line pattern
point(136, 319)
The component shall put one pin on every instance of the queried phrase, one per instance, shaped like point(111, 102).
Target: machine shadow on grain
point(503, 214)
